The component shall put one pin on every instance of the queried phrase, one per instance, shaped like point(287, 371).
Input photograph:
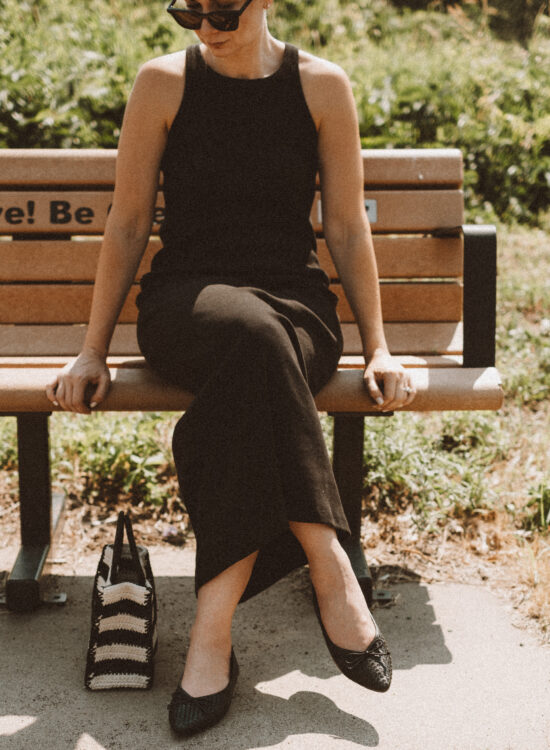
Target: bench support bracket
point(40, 513)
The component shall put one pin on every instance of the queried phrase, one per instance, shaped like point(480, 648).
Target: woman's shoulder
point(164, 66)
point(320, 71)
point(160, 82)
point(324, 83)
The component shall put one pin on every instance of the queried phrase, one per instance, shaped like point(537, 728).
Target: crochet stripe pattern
point(123, 636)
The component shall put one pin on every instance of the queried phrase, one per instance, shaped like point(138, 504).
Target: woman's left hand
point(388, 384)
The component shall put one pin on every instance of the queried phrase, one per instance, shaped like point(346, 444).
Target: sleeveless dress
point(237, 310)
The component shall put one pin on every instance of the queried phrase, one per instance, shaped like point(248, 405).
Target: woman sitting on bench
point(237, 310)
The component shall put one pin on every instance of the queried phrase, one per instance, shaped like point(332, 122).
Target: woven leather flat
point(371, 668)
point(188, 715)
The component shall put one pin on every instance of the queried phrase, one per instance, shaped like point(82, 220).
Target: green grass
point(114, 457)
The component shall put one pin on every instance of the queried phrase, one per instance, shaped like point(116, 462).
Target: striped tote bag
point(123, 636)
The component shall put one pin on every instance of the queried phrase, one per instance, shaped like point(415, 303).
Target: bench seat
point(136, 388)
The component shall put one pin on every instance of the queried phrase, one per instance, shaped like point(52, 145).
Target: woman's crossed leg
point(341, 602)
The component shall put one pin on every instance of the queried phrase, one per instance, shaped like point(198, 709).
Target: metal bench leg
point(39, 518)
point(479, 306)
point(347, 463)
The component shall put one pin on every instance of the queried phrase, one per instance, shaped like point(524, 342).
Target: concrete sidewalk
point(464, 677)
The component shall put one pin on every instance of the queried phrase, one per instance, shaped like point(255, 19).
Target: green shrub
point(434, 465)
point(114, 457)
point(67, 69)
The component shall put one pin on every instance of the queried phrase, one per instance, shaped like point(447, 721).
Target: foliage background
point(422, 78)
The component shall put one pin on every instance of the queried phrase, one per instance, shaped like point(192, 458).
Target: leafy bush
point(430, 82)
point(67, 70)
point(114, 457)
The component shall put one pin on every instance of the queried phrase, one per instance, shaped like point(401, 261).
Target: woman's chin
point(218, 47)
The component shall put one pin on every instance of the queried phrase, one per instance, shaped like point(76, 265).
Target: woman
point(237, 309)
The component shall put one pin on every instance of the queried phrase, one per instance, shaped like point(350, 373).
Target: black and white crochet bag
point(123, 637)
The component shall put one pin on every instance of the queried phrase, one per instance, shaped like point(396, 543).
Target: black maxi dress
point(237, 310)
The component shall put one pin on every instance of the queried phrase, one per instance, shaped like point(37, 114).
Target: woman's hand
point(68, 390)
point(389, 384)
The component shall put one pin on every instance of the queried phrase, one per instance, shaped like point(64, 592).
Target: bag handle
point(124, 522)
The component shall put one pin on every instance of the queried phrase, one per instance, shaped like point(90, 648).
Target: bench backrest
point(53, 207)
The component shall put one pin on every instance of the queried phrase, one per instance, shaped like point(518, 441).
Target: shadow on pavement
point(286, 687)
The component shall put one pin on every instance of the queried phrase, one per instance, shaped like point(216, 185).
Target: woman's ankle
point(331, 569)
point(210, 637)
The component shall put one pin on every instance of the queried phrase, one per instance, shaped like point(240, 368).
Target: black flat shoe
point(371, 668)
point(188, 715)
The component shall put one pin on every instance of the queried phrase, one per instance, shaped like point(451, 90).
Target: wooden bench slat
point(346, 361)
point(41, 340)
point(66, 340)
point(408, 257)
point(70, 212)
point(49, 361)
point(97, 166)
point(50, 260)
point(140, 389)
point(411, 338)
point(411, 302)
point(85, 212)
point(406, 360)
point(70, 303)
point(55, 166)
point(407, 210)
point(55, 303)
point(76, 260)
point(454, 389)
point(408, 166)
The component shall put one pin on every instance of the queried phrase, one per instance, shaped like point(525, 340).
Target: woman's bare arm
point(347, 229)
point(148, 113)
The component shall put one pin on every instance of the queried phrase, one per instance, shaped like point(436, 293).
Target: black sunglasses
point(222, 20)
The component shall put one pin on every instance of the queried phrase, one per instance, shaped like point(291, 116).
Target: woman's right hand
point(68, 390)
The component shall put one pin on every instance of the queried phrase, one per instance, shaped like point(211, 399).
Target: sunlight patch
point(12, 724)
point(85, 742)
point(293, 682)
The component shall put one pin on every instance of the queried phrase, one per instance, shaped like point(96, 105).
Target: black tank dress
point(237, 309)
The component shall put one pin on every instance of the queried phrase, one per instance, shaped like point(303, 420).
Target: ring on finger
point(407, 389)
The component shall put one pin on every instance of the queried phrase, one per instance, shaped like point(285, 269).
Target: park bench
point(438, 297)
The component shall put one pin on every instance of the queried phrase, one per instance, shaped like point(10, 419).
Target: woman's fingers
point(80, 385)
point(78, 396)
point(410, 392)
point(404, 394)
point(101, 391)
point(68, 393)
point(61, 394)
point(374, 391)
point(51, 392)
point(390, 389)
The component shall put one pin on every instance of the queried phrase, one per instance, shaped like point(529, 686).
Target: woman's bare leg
point(342, 604)
point(207, 663)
